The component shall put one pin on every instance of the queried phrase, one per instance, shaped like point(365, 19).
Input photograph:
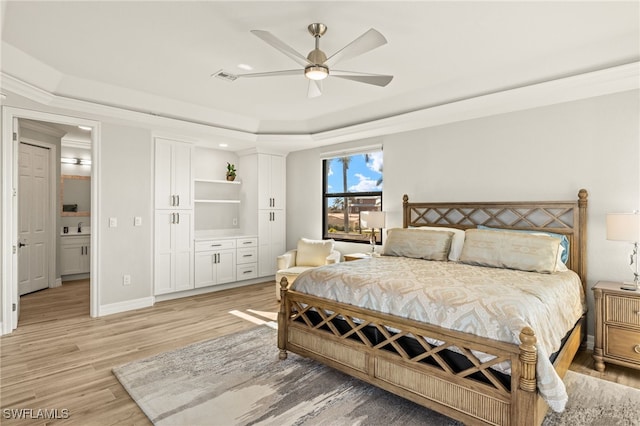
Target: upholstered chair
point(308, 255)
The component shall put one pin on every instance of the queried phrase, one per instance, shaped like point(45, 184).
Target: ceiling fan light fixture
point(316, 72)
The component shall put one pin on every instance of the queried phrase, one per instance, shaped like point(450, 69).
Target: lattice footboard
point(432, 366)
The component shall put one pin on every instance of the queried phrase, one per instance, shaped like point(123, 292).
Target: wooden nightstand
point(355, 256)
point(617, 337)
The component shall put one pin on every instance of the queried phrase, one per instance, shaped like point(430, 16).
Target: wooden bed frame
point(437, 385)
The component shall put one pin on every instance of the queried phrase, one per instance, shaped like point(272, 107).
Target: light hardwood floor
point(60, 358)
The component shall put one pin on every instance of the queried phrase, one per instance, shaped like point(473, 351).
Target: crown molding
point(591, 84)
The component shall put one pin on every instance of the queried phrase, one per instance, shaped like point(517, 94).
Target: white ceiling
point(158, 56)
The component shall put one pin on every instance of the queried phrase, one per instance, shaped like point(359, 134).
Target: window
point(352, 184)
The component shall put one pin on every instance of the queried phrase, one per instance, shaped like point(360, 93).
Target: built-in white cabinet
point(75, 257)
point(220, 261)
point(173, 251)
point(263, 195)
point(174, 216)
point(173, 174)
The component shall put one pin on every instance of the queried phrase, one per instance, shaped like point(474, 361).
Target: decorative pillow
point(512, 250)
point(564, 241)
point(313, 252)
point(430, 245)
point(456, 243)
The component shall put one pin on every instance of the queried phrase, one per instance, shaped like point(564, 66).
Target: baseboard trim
point(57, 283)
point(128, 305)
point(211, 289)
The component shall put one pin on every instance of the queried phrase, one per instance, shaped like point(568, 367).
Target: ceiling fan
point(317, 66)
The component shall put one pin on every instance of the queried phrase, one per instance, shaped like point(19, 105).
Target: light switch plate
point(137, 221)
point(113, 222)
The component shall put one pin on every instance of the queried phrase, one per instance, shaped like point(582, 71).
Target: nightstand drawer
point(622, 343)
point(622, 310)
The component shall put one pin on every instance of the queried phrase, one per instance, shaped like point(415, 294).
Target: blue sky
point(361, 176)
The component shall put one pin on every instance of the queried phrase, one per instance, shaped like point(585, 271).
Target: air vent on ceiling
point(224, 75)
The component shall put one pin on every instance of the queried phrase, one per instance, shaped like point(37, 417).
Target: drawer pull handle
point(636, 349)
point(247, 272)
point(250, 242)
point(216, 245)
point(247, 255)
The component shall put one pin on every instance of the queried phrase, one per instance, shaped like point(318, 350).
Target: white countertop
point(220, 234)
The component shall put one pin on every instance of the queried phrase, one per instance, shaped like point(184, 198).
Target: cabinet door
point(163, 256)
point(173, 258)
point(271, 240)
point(71, 258)
point(173, 175)
point(162, 179)
point(265, 198)
point(85, 260)
point(271, 181)
point(182, 175)
point(278, 183)
point(182, 245)
point(204, 269)
point(226, 266)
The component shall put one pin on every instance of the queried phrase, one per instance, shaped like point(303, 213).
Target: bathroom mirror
point(75, 195)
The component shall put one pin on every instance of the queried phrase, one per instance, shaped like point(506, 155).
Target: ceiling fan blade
point(273, 41)
point(315, 89)
point(272, 73)
point(366, 42)
point(375, 79)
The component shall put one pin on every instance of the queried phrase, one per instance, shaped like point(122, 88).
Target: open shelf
point(233, 182)
point(218, 201)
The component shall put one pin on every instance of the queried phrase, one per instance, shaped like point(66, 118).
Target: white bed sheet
point(487, 302)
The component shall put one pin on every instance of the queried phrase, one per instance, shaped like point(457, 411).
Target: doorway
point(10, 216)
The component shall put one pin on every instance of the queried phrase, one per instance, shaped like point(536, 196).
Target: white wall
point(126, 158)
point(546, 153)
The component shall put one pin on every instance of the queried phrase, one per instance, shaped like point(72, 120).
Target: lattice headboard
point(562, 217)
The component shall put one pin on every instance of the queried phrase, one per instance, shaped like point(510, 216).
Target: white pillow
point(313, 252)
point(512, 250)
point(456, 243)
point(420, 245)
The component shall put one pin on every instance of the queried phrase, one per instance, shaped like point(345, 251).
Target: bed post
point(526, 402)
point(282, 319)
point(405, 213)
point(582, 229)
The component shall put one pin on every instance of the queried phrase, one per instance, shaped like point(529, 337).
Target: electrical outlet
point(113, 222)
point(126, 280)
point(137, 221)
point(235, 221)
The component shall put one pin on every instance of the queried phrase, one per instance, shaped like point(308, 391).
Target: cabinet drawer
point(247, 242)
point(622, 343)
point(247, 255)
point(215, 245)
point(622, 310)
point(245, 272)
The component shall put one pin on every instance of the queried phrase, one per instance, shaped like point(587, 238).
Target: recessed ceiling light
point(223, 145)
point(245, 67)
point(87, 128)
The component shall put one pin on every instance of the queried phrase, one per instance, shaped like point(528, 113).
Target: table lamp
point(626, 227)
point(373, 220)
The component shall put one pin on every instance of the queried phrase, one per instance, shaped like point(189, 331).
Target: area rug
point(238, 380)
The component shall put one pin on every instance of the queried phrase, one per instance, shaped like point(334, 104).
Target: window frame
point(328, 195)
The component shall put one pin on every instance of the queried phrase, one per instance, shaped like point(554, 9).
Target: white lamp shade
point(372, 220)
point(623, 227)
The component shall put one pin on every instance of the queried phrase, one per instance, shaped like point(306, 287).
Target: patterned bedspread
point(487, 302)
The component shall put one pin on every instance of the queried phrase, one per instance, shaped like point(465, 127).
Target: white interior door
point(33, 223)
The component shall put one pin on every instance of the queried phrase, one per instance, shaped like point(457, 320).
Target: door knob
point(21, 244)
